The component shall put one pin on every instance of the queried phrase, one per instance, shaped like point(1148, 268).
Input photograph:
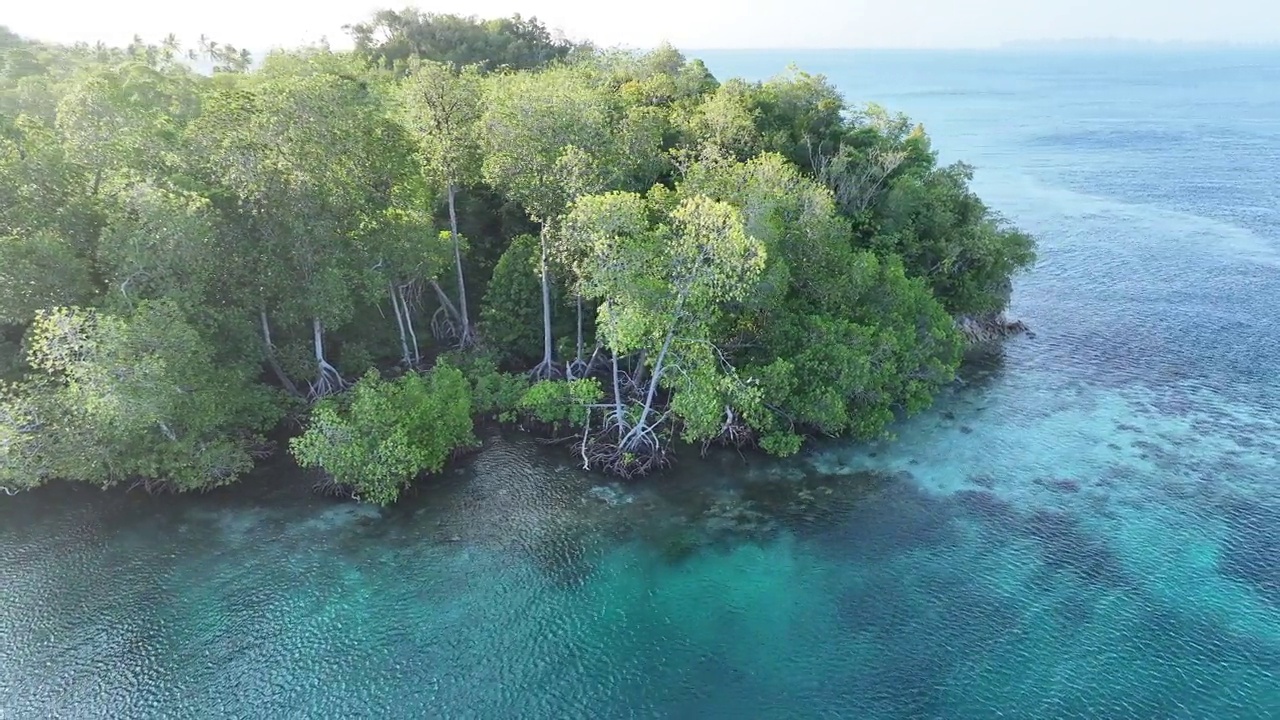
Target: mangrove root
point(328, 382)
point(443, 327)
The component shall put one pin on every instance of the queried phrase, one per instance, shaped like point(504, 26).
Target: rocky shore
point(988, 328)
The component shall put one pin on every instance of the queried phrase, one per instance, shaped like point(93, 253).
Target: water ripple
point(1085, 527)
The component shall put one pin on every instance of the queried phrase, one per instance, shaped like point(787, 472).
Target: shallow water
point(1087, 527)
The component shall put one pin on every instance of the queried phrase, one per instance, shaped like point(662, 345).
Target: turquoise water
point(1088, 527)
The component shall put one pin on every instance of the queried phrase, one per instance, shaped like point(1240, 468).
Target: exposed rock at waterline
point(988, 328)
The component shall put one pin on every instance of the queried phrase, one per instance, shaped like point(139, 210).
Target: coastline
point(991, 327)
point(279, 479)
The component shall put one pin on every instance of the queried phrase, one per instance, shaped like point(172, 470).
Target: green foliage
point(559, 402)
point(548, 137)
point(885, 179)
point(877, 148)
point(946, 235)
point(494, 394)
point(135, 397)
point(124, 118)
point(800, 116)
point(654, 279)
point(664, 271)
point(178, 251)
point(37, 271)
point(393, 37)
point(847, 369)
point(47, 223)
point(791, 214)
point(511, 316)
point(657, 78)
point(840, 340)
point(307, 152)
point(724, 123)
point(161, 243)
point(32, 439)
point(382, 434)
point(442, 107)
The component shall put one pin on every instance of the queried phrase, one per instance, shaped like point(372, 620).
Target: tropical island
point(362, 257)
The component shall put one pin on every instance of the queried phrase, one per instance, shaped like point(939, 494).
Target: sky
point(688, 24)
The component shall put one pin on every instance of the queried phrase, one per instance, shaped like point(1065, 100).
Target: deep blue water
point(1089, 527)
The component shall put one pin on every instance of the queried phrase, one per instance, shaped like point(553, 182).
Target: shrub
point(382, 434)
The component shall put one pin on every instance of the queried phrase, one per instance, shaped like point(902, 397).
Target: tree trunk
point(659, 366)
point(404, 340)
point(317, 337)
point(591, 361)
point(408, 323)
point(578, 358)
point(328, 379)
point(445, 302)
point(546, 304)
point(617, 395)
point(641, 369)
point(653, 389)
point(465, 340)
point(271, 358)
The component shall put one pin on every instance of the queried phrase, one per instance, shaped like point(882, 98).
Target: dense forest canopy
point(459, 221)
point(393, 37)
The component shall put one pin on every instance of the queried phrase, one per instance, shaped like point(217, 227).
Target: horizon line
point(1066, 43)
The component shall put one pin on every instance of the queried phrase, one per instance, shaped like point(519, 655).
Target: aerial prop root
point(329, 487)
point(545, 370)
point(467, 338)
point(262, 450)
point(734, 432)
point(328, 382)
point(443, 327)
point(627, 452)
point(152, 486)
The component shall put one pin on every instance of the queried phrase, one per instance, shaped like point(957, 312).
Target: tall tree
point(132, 397)
point(548, 141)
point(393, 37)
point(662, 288)
point(48, 224)
point(442, 107)
point(301, 152)
point(837, 338)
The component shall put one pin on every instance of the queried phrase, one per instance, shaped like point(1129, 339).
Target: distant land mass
point(1114, 44)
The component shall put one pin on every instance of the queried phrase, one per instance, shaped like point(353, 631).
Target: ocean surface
point(1087, 527)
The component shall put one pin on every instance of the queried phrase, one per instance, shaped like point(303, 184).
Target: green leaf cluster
point(494, 394)
point(137, 397)
point(561, 402)
point(382, 434)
